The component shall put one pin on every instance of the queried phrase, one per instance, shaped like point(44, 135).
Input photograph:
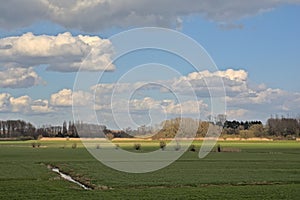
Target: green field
point(261, 170)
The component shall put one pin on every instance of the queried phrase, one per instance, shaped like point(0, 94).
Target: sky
point(46, 44)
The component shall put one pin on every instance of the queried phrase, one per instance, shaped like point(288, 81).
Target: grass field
point(261, 170)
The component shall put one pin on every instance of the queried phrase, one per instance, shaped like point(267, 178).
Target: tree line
point(280, 128)
point(16, 128)
point(25, 130)
point(283, 127)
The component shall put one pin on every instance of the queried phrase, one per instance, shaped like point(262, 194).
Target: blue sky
point(259, 39)
point(267, 47)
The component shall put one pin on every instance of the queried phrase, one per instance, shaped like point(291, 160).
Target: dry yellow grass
point(149, 139)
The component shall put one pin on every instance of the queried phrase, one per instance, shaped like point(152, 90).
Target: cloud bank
point(93, 15)
point(243, 100)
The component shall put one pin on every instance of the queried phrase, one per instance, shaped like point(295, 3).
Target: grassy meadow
point(252, 170)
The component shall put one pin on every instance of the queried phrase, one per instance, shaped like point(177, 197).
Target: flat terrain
point(253, 170)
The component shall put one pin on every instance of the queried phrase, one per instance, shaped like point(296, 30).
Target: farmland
point(256, 170)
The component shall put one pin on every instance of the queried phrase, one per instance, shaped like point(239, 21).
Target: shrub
point(193, 148)
point(247, 134)
point(34, 145)
point(162, 145)
point(74, 146)
point(137, 147)
point(290, 137)
point(110, 136)
point(177, 147)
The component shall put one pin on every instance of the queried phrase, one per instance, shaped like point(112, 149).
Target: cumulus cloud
point(4, 101)
point(19, 78)
point(166, 106)
point(242, 98)
point(186, 107)
point(92, 15)
point(205, 83)
point(58, 102)
point(150, 111)
point(202, 83)
point(23, 105)
point(64, 52)
point(67, 98)
point(234, 75)
point(267, 96)
point(62, 98)
point(20, 104)
point(236, 114)
point(243, 102)
point(41, 106)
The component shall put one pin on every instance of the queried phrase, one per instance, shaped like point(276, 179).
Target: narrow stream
point(69, 178)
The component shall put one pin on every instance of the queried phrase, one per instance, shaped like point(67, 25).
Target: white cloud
point(146, 103)
point(65, 97)
point(186, 108)
point(204, 83)
point(23, 105)
point(41, 106)
point(4, 102)
point(234, 75)
point(242, 100)
point(62, 98)
point(64, 52)
point(136, 112)
point(92, 15)
point(244, 103)
point(168, 106)
point(19, 78)
point(236, 114)
point(293, 104)
point(20, 104)
point(267, 96)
